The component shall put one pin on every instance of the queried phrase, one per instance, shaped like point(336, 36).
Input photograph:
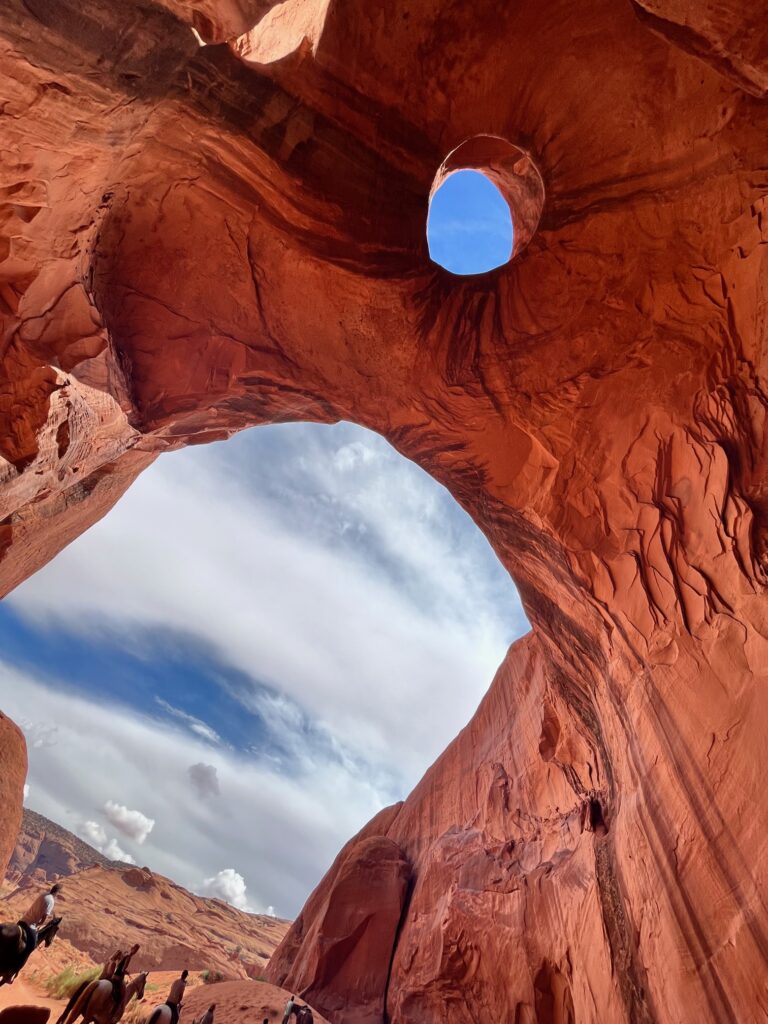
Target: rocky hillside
point(106, 905)
point(240, 1002)
point(45, 852)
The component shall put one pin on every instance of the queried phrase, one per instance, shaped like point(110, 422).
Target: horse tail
point(71, 1003)
point(82, 998)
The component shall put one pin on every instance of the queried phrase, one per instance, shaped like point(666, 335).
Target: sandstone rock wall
point(13, 772)
point(196, 240)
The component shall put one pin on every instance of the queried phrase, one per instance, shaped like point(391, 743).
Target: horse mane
point(154, 1016)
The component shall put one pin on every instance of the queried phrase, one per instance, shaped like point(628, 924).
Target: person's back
point(41, 908)
point(176, 995)
point(108, 970)
point(289, 1009)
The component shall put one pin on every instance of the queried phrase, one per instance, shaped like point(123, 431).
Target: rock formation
point(45, 852)
point(336, 953)
point(194, 240)
point(108, 908)
point(238, 1001)
point(13, 772)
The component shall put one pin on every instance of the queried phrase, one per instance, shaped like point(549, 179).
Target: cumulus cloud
point(132, 824)
point(228, 885)
point(114, 851)
point(204, 778)
point(96, 835)
point(270, 911)
point(93, 833)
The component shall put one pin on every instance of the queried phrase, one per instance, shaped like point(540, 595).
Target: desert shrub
point(63, 984)
point(211, 977)
point(136, 1012)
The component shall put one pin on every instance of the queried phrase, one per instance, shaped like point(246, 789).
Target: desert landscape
point(213, 217)
point(107, 906)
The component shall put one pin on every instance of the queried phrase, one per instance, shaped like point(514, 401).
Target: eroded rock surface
point(339, 951)
point(198, 239)
point(13, 772)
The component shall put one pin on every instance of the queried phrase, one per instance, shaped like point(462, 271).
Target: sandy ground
point(22, 993)
point(25, 992)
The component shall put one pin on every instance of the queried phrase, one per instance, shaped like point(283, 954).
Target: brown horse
point(18, 942)
point(96, 1005)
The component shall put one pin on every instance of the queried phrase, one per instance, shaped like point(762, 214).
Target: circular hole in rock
point(469, 227)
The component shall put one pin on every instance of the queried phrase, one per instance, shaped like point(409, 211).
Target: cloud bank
point(350, 617)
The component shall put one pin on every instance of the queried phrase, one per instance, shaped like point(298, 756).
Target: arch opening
point(469, 227)
point(485, 205)
point(288, 627)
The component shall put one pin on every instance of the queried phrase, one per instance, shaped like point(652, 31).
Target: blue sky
point(469, 228)
point(265, 642)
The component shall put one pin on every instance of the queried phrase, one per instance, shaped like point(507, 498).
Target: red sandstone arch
point(191, 244)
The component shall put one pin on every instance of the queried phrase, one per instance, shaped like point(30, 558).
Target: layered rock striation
point(194, 240)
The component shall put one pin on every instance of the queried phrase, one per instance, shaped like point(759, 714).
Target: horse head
point(140, 982)
point(48, 933)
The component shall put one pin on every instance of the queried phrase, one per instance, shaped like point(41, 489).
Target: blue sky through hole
point(266, 638)
point(469, 228)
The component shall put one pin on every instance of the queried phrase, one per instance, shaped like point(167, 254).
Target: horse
point(96, 1005)
point(18, 942)
point(162, 1014)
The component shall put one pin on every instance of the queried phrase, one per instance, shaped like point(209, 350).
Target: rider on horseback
point(41, 908)
point(117, 976)
point(176, 995)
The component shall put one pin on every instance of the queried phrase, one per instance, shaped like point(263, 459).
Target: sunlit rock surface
point(198, 239)
point(13, 772)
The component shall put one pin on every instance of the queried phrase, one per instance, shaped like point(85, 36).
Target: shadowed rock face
point(198, 240)
point(45, 852)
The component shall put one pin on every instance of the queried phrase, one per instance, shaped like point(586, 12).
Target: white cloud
point(270, 911)
point(362, 616)
point(114, 851)
point(352, 455)
point(96, 835)
point(228, 885)
point(191, 838)
point(204, 778)
point(132, 824)
point(349, 588)
point(26, 790)
point(93, 833)
point(196, 725)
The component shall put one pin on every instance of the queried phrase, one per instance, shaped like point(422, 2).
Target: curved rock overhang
point(196, 239)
